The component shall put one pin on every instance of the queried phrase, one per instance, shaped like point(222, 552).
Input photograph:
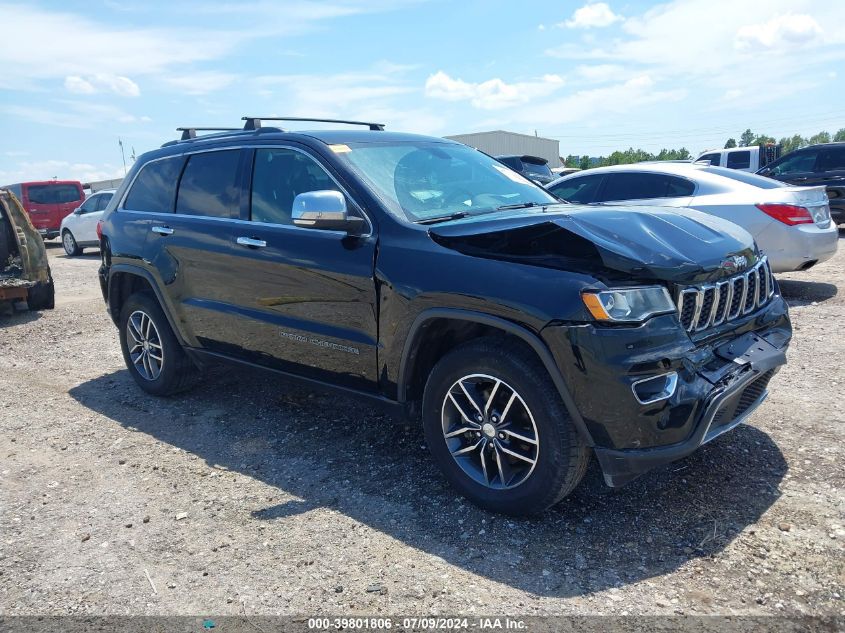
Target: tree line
point(746, 139)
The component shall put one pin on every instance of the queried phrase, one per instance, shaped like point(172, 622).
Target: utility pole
point(122, 155)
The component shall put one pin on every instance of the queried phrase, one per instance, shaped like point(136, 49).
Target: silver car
point(791, 224)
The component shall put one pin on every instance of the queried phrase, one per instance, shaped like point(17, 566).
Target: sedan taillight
point(100, 230)
point(790, 214)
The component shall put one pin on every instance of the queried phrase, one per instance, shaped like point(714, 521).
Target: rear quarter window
point(739, 160)
point(154, 189)
point(581, 190)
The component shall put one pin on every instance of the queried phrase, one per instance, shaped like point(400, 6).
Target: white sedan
point(791, 224)
point(79, 229)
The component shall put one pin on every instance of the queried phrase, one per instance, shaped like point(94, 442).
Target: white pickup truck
point(742, 158)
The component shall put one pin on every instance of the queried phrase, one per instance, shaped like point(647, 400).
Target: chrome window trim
point(120, 208)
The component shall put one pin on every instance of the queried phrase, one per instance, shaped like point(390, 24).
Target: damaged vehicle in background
point(791, 224)
point(24, 270)
point(524, 334)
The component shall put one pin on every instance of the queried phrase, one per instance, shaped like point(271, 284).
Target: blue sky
point(598, 75)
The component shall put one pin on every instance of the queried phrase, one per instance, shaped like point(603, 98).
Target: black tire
point(176, 371)
point(562, 455)
point(69, 244)
point(42, 296)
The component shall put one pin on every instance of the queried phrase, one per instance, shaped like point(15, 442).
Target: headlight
point(628, 305)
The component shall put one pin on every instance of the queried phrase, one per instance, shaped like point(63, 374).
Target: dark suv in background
point(532, 167)
point(822, 164)
point(525, 334)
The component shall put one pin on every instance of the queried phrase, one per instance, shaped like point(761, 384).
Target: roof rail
point(191, 132)
point(254, 122)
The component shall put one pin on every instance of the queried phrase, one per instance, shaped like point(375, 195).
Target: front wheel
point(497, 428)
point(69, 242)
point(151, 351)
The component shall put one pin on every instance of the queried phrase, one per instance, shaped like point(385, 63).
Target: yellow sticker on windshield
point(340, 149)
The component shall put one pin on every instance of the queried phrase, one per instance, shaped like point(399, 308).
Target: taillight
point(790, 214)
point(100, 230)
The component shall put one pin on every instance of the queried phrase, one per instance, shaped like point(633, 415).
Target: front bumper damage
point(720, 378)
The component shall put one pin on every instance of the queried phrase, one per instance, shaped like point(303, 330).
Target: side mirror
point(324, 210)
point(77, 211)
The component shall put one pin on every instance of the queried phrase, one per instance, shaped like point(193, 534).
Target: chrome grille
point(706, 305)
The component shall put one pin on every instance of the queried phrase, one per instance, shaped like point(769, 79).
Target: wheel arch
point(414, 363)
point(124, 281)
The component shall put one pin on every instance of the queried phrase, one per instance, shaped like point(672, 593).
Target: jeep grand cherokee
point(525, 334)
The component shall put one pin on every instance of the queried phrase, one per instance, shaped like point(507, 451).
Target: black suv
point(822, 164)
point(525, 334)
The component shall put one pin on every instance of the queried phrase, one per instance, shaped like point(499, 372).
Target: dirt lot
point(247, 496)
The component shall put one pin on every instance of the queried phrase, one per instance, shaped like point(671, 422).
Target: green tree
point(791, 143)
point(730, 143)
point(762, 139)
point(571, 161)
point(746, 138)
point(821, 137)
point(585, 162)
point(840, 135)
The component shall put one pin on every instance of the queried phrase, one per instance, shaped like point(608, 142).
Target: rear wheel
point(151, 351)
point(69, 242)
point(496, 426)
point(42, 296)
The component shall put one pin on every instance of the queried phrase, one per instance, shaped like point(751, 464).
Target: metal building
point(500, 142)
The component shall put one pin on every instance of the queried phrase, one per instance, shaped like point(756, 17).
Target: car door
point(86, 225)
point(75, 222)
point(310, 304)
point(646, 189)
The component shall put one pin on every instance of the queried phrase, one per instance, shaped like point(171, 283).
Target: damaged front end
point(653, 389)
point(24, 269)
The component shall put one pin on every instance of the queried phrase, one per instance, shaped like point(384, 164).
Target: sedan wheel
point(70, 245)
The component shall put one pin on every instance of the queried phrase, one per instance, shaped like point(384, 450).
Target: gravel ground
point(248, 496)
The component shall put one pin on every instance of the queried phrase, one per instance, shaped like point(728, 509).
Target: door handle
point(162, 230)
point(251, 242)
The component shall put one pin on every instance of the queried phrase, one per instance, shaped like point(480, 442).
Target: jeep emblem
point(734, 263)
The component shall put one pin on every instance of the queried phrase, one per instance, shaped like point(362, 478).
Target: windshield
point(421, 181)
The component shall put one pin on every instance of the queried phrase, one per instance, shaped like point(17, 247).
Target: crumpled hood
point(679, 245)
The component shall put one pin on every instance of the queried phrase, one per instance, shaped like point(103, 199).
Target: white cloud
point(122, 86)
point(592, 15)
point(200, 83)
point(47, 169)
point(492, 94)
point(600, 73)
point(782, 29)
point(73, 114)
point(622, 99)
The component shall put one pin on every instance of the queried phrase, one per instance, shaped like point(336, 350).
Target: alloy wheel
point(490, 431)
point(144, 344)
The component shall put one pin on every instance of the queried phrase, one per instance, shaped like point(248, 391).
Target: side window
point(104, 200)
point(90, 204)
point(209, 186)
point(634, 186)
point(712, 158)
point(278, 177)
point(739, 160)
point(831, 158)
point(795, 162)
point(581, 190)
point(155, 187)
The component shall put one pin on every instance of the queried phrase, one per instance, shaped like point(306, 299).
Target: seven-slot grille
point(707, 305)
